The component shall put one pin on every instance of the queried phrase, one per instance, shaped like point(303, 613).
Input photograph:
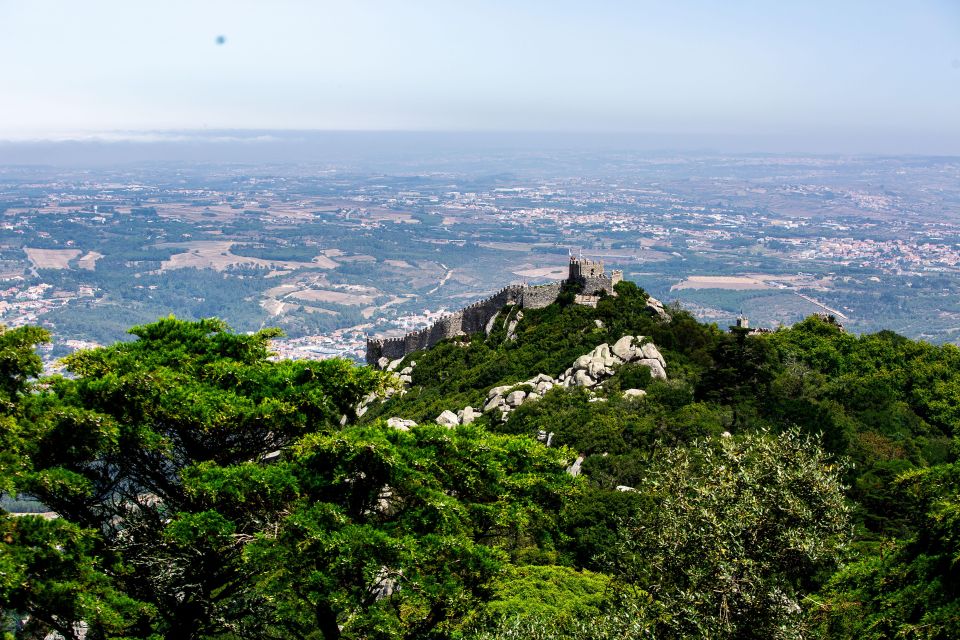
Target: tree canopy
point(187, 484)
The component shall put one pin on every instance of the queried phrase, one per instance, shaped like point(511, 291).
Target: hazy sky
point(866, 70)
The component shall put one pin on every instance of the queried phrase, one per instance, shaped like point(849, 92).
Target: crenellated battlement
point(477, 316)
point(584, 268)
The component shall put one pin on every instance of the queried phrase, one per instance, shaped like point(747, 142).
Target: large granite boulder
point(467, 415)
point(628, 348)
point(448, 419)
point(656, 369)
point(515, 398)
point(400, 424)
point(499, 391)
point(582, 379)
point(655, 307)
point(493, 403)
point(651, 352)
point(537, 379)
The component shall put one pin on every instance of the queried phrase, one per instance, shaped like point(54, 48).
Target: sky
point(873, 76)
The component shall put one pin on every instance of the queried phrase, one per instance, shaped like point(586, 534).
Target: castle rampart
point(477, 317)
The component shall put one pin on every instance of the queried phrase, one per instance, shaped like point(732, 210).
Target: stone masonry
point(476, 318)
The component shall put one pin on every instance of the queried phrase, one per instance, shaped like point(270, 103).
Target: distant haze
point(877, 77)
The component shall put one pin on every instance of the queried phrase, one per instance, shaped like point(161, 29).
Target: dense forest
point(802, 483)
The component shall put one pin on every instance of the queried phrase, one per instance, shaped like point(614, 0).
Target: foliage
point(116, 452)
point(910, 588)
point(205, 490)
point(560, 594)
point(50, 571)
point(398, 534)
point(740, 529)
point(630, 615)
point(210, 490)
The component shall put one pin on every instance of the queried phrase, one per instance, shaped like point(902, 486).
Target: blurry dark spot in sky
point(221, 39)
point(956, 63)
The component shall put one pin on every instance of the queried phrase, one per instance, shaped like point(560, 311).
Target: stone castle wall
point(469, 320)
point(592, 284)
point(477, 317)
point(540, 296)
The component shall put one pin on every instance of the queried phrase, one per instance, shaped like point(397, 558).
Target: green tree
point(204, 490)
point(908, 588)
point(399, 534)
point(48, 570)
point(116, 453)
point(742, 527)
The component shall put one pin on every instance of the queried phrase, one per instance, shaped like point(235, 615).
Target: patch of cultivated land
point(736, 283)
point(507, 246)
point(368, 312)
point(215, 254)
point(273, 307)
point(336, 297)
point(89, 261)
point(389, 215)
point(51, 258)
point(554, 273)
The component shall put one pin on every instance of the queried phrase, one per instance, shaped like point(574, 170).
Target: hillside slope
point(578, 472)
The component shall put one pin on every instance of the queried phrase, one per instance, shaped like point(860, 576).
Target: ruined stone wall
point(469, 320)
point(390, 348)
point(592, 284)
point(540, 296)
point(476, 317)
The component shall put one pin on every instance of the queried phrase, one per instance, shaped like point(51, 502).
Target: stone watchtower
point(591, 275)
point(582, 268)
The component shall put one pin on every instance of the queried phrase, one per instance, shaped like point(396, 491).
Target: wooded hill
point(798, 484)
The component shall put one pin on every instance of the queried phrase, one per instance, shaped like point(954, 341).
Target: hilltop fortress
point(480, 315)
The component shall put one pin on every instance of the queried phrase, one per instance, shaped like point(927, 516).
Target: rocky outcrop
point(467, 415)
point(626, 349)
point(448, 419)
point(512, 326)
point(588, 371)
point(400, 424)
point(655, 307)
point(506, 398)
point(515, 398)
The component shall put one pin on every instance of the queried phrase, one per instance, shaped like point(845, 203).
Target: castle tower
point(581, 268)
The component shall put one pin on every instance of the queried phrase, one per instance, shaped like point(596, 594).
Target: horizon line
point(739, 144)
